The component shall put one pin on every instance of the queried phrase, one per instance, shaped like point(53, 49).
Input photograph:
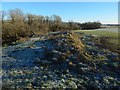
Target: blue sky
point(105, 12)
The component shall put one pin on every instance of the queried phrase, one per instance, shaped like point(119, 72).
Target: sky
point(105, 12)
point(60, 0)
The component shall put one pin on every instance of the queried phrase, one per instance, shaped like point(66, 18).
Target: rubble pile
point(60, 60)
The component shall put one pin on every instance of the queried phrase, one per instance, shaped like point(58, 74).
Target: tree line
point(16, 24)
point(91, 25)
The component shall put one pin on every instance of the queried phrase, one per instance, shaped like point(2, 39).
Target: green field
point(113, 36)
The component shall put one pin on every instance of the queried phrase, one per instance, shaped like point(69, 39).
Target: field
point(113, 35)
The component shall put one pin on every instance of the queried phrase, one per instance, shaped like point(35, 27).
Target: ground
point(61, 60)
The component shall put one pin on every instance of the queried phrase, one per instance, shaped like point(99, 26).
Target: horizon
point(105, 12)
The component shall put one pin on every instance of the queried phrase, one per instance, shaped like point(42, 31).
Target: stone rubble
point(58, 61)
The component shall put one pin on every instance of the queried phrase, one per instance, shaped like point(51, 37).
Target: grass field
point(113, 36)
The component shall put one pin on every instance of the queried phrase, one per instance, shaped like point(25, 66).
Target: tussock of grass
point(76, 41)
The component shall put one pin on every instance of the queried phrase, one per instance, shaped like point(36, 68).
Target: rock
point(62, 80)
point(94, 35)
point(106, 81)
point(44, 78)
point(54, 59)
point(71, 84)
point(90, 43)
point(80, 87)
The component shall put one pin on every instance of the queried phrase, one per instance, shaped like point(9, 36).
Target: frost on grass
point(60, 60)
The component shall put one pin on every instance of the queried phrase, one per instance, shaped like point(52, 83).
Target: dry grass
point(76, 41)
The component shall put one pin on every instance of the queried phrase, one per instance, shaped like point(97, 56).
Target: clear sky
point(105, 12)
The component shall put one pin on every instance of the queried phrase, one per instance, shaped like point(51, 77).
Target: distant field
point(113, 35)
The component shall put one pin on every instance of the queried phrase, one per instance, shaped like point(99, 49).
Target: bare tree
point(16, 15)
point(2, 15)
point(56, 19)
point(16, 18)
